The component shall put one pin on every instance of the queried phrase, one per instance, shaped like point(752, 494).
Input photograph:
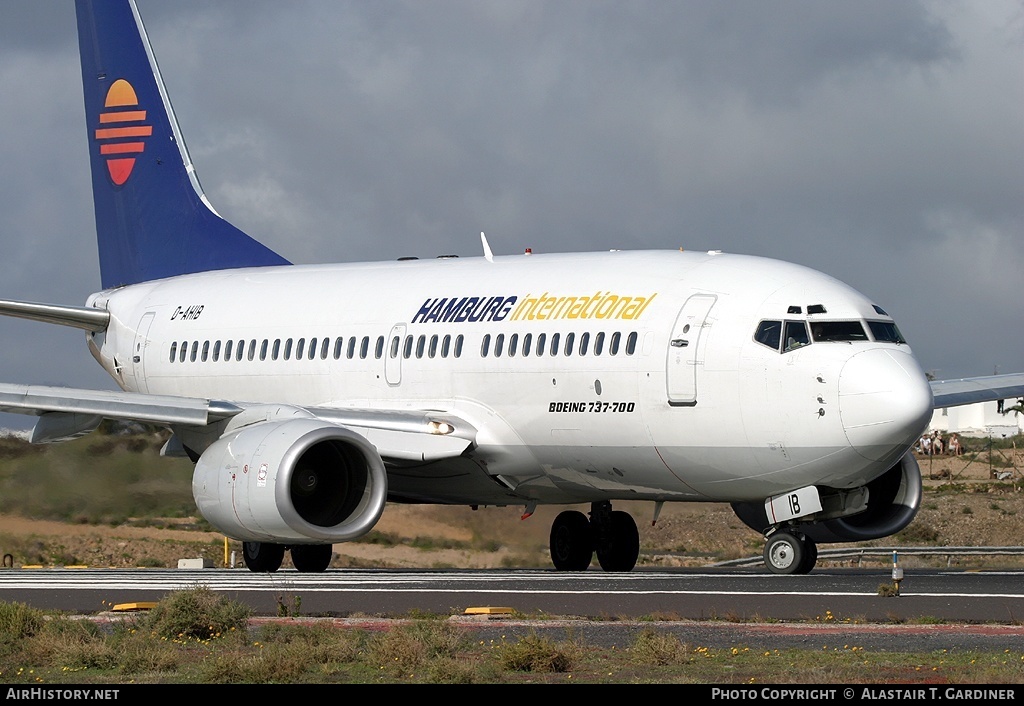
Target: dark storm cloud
point(878, 141)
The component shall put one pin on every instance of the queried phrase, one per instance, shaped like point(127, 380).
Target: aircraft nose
point(885, 401)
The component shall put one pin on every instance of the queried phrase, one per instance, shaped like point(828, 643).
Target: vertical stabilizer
point(152, 219)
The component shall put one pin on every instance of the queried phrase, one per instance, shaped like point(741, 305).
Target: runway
point(831, 595)
point(722, 608)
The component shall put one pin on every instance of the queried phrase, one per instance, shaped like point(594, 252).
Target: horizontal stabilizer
point(78, 316)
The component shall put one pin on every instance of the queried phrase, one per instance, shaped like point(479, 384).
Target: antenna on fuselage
point(487, 248)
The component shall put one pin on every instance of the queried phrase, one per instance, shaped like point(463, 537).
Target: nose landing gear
point(789, 552)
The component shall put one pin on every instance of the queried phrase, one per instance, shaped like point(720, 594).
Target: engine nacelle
point(294, 481)
point(893, 500)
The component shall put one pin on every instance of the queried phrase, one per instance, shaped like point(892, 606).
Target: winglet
point(488, 255)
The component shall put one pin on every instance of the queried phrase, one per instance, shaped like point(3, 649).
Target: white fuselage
point(681, 402)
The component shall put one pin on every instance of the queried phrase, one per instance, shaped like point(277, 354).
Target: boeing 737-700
point(310, 396)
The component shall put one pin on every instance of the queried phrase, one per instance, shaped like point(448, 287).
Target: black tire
point(262, 556)
point(810, 556)
point(620, 547)
point(784, 553)
point(572, 542)
point(312, 558)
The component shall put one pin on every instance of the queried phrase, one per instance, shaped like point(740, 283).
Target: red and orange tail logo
point(122, 130)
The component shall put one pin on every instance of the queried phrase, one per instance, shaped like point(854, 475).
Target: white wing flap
point(953, 393)
point(65, 412)
point(159, 409)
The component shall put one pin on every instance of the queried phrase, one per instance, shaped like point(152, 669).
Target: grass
point(195, 636)
point(97, 479)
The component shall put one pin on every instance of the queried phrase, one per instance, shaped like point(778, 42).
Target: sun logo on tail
point(122, 131)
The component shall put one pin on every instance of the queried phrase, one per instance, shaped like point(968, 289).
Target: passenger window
point(631, 344)
point(252, 349)
point(263, 349)
point(351, 352)
point(499, 344)
point(300, 348)
point(446, 343)
point(216, 351)
point(421, 344)
point(485, 345)
point(288, 349)
point(407, 353)
point(570, 338)
point(239, 350)
point(458, 346)
point(513, 343)
point(527, 344)
point(227, 349)
point(312, 348)
point(432, 351)
point(339, 343)
point(554, 343)
point(541, 340)
point(195, 350)
point(324, 346)
point(796, 335)
point(613, 345)
point(584, 343)
point(364, 347)
point(174, 350)
point(599, 343)
point(276, 350)
point(396, 342)
point(378, 350)
point(769, 333)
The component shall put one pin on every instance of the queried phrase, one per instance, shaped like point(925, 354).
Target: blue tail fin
point(152, 218)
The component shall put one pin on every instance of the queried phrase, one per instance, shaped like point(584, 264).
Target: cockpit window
point(769, 333)
point(886, 331)
point(796, 335)
point(838, 331)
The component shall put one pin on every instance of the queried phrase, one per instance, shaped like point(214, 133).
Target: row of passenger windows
point(413, 346)
point(301, 349)
point(556, 345)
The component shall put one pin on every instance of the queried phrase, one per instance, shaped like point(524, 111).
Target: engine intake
point(893, 500)
point(291, 482)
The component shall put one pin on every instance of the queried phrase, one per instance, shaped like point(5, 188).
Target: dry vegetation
point(106, 515)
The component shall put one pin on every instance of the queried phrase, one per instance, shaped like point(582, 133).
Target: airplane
point(311, 396)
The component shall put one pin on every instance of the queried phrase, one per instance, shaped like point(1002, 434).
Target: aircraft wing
point(65, 412)
point(988, 388)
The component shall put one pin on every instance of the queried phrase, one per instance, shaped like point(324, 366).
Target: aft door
point(684, 350)
point(393, 355)
point(138, 364)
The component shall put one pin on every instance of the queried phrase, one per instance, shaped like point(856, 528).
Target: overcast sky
point(879, 141)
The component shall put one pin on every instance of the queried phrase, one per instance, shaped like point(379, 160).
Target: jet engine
point(296, 481)
point(893, 499)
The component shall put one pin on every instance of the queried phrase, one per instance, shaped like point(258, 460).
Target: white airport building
point(983, 419)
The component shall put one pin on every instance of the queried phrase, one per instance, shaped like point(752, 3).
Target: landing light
point(441, 428)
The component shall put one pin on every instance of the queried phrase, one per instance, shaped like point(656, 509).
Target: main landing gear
point(789, 552)
point(611, 533)
point(265, 557)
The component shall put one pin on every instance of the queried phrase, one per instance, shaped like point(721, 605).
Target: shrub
point(652, 647)
point(18, 620)
point(197, 613)
point(535, 653)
